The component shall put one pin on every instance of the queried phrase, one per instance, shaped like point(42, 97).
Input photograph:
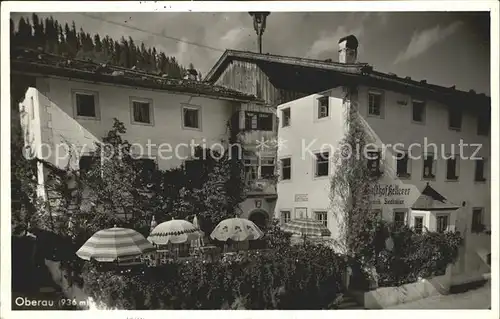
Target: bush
point(416, 255)
point(302, 277)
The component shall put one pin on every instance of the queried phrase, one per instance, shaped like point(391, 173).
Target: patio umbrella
point(236, 229)
point(112, 244)
point(175, 231)
point(199, 241)
point(306, 227)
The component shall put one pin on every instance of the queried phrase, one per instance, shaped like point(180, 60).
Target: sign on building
point(301, 198)
point(395, 195)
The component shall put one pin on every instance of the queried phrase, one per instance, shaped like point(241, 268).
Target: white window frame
point(484, 170)
point(321, 212)
point(448, 215)
point(380, 160)
point(295, 211)
point(408, 165)
point(381, 94)
point(424, 222)
point(151, 110)
point(317, 161)
point(481, 209)
point(457, 167)
point(97, 110)
point(283, 117)
point(200, 121)
point(319, 107)
point(450, 110)
point(251, 162)
point(404, 211)
point(413, 102)
point(434, 166)
point(283, 219)
point(261, 164)
point(282, 167)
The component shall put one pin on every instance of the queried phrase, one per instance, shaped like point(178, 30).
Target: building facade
point(431, 146)
point(68, 108)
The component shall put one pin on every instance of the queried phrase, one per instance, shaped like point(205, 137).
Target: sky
point(444, 48)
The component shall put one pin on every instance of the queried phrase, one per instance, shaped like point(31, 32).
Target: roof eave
point(20, 67)
point(216, 67)
point(232, 54)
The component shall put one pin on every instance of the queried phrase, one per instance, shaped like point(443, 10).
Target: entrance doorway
point(259, 218)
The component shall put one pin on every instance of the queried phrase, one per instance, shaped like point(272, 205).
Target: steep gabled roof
point(35, 62)
point(430, 199)
point(340, 73)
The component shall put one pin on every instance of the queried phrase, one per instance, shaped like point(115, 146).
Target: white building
point(394, 110)
point(75, 102)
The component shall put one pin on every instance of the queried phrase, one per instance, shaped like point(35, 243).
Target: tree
point(23, 169)
point(352, 185)
point(54, 38)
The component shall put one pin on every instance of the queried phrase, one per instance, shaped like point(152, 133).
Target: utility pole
point(259, 25)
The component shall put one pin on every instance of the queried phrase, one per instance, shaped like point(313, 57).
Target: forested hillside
point(53, 37)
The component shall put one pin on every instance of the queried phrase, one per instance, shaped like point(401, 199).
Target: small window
point(455, 118)
point(477, 220)
point(375, 103)
point(442, 223)
point(142, 112)
point(191, 117)
point(429, 167)
point(322, 217)
point(418, 111)
point(373, 162)
point(418, 224)
point(86, 104)
point(286, 117)
point(259, 121)
point(322, 164)
point(452, 169)
point(267, 167)
point(285, 216)
point(399, 219)
point(286, 168)
point(85, 164)
point(403, 165)
point(479, 171)
point(251, 169)
point(483, 124)
point(323, 107)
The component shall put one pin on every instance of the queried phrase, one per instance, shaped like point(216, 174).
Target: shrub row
point(303, 277)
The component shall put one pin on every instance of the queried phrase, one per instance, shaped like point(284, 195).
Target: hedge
point(304, 277)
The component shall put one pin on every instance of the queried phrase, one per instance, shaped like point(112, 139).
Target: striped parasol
point(175, 231)
point(306, 227)
point(112, 244)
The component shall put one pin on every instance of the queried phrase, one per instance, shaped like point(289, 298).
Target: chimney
point(348, 49)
